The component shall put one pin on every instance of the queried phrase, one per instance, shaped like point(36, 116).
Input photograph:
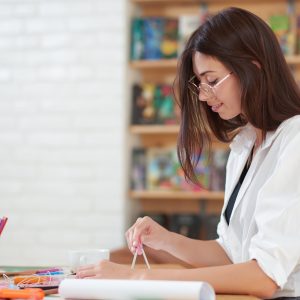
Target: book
point(135, 289)
point(298, 34)
point(164, 172)
point(210, 224)
point(160, 169)
point(153, 104)
point(137, 39)
point(154, 38)
point(186, 224)
point(143, 111)
point(202, 169)
point(164, 105)
point(218, 163)
point(284, 29)
point(153, 32)
point(187, 24)
point(138, 169)
point(169, 42)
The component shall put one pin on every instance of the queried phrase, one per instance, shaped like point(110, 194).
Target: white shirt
point(265, 221)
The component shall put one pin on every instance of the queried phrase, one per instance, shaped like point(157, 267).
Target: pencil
point(2, 224)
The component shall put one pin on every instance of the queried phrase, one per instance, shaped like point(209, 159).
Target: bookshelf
point(154, 129)
point(163, 71)
point(154, 64)
point(172, 63)
point(177, 195)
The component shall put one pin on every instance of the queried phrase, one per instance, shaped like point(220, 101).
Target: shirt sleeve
point(221, 240)
point(276, 246)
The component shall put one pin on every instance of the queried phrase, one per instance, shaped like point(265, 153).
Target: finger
point(85, 268)
point(138, 233)
point(129, 235)
point(139, 249)
point(92, 277)
point(130, 230)
point(131, 247)
point(139, 220)
point(85, 273)
point(129, 238)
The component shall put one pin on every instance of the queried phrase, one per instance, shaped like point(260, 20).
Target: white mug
point(79, 258)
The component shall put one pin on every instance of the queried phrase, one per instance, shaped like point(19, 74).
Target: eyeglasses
point(207, 90)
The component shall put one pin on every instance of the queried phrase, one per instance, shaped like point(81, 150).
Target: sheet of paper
point(135, 289)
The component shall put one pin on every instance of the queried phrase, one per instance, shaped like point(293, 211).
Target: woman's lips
point(216, 107)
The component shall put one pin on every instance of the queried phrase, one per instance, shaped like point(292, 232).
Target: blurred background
point(62, 127)
point(88, 122)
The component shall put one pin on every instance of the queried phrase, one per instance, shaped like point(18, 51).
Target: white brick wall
point(62, 127)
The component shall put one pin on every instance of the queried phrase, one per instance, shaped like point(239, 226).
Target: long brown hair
point(247, 46)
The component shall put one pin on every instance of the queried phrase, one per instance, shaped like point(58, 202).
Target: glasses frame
point(205, 87)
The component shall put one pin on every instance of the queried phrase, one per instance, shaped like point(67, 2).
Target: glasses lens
point(206, 91)
point(193, 86)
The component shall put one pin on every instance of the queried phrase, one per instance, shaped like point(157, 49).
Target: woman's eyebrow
point(205, 72)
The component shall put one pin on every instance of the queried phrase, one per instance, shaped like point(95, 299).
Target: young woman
point(233, 81)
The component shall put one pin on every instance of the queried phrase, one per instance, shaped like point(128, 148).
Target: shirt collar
point(246, 137)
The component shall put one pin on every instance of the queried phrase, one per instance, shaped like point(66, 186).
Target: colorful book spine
point(284, 29)
point(298, 34)
point(138, 169)
point(153, 32)
point(137, 39)
point(159, 169)
point(169, 42)
point(154, 38)
point(153, 104)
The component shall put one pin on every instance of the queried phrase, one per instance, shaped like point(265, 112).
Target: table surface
point(171, 266)
point(218, 297)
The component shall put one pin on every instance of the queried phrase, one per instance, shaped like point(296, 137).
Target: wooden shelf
point(154, 64)
point(165, 2)
point(164, 136)
point(177, 195)
point(154, 129)
point(293, 59)
point(172, 63)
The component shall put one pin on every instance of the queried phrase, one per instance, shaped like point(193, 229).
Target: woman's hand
point(147, 232)
point(107, 270)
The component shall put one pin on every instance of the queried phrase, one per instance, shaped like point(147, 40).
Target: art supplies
point(135, 289)
point(51, 271)
point(38, 281)
point(31, 279)
point(33, 294)
point(2, 223)
point(139, 249)
point(15, 272)
point(46, 279)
